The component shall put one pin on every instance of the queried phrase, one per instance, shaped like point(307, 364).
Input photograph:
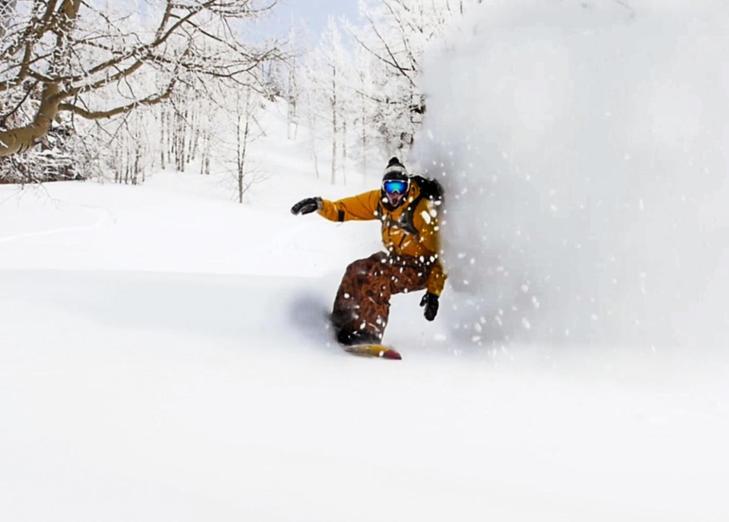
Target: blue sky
point(312, 12)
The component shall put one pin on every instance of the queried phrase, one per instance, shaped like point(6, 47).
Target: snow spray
point(583, 146)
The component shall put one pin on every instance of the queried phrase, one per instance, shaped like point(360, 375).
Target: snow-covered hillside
point(165, 357)
point(165, 354)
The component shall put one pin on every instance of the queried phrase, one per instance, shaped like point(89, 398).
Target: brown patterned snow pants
point(362, 306)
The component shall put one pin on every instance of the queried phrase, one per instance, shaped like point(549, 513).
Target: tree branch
point(123, 109)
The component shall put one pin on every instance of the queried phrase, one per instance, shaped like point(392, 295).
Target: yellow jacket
point(419, 239)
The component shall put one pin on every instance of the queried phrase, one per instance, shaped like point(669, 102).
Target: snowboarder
point(407, 206)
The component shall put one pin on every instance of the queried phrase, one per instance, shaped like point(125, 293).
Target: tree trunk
point(293, 95)
point(242, 141)
point(344, 150)
point(21, 139)
point(180, 152)
point(162, 138)
point(364, 138)
point(170, 149)
point(205, 161)
point(193, 133)
point(137, 162)
point(334, 125)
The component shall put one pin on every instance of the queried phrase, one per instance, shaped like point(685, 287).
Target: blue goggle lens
point(395, 186)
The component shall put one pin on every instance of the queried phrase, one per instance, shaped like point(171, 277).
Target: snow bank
point(584, 149)
point(151, 396)
point(164, 356)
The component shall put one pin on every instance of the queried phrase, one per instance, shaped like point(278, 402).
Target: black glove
point(306, 206)
point(430, 302)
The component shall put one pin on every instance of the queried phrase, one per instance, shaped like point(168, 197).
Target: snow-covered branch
point(83, 54)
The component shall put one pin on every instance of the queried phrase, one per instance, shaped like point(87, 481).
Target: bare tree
point(74, 55)
point(334, 108)
point(7, 11)
point(394, 36)
point(243, 131)
point(292, 92)
point(323, 78)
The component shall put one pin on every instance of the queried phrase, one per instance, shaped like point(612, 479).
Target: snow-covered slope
point(164, 356)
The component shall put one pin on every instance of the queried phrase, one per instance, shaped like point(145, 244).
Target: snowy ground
point(164, 357)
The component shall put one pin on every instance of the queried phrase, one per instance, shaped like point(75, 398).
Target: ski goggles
point(395, 186)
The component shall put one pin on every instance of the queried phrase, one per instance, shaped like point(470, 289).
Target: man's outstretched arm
point(361, 207)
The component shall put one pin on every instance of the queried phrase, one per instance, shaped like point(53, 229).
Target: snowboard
point(377, 351)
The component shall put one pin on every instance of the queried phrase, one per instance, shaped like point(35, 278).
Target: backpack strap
point(429, 189)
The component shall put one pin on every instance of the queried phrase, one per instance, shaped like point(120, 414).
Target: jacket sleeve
point(437, 278)
point(362, 207)
point(426, 220)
